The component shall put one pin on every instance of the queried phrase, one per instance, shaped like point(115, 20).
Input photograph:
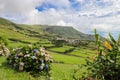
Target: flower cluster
point(4, 51)
point(34, 60)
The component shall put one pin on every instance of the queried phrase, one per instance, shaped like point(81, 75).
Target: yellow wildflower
point(92, 57)
point(107, 45)
point(103, 53)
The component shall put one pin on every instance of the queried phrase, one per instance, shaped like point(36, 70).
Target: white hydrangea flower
point(51, 78)
point(21, 64)
point(27, 55)
point(27, 51)
point(42, 49)
point(34, 57)
point(16, 57)
point(42, 54)
point(42, 64)
point(36, 50)
point(41, 67)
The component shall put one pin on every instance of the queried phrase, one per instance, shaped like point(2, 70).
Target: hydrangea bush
point(4, 51)
point(31, 59)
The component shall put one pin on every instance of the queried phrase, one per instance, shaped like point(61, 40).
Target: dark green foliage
point(69, 50)
point(59, 43)
point(106, 65)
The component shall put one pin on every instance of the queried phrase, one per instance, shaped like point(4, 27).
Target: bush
point(3, 49)
point(58, 43)
point(31, 59)
point(106, 65)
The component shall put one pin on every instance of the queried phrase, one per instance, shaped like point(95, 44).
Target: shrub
point(3, 49)
point(58, 43)
point(31, 59)
point(106, 64)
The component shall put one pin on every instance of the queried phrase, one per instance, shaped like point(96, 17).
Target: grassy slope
point(61, 71)
point(15, 35)
point(67, 59)
point(83, 52)
point(10, 30)
point(61, 49)
point(68, 32)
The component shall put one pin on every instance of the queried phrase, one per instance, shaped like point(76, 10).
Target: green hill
point(43, 30)
point(15, 34)
point(5, 22)
point(68, 32)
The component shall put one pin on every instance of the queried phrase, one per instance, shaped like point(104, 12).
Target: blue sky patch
point(45, 6)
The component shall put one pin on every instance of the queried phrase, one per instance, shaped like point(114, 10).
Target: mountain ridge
point(68, 32)
point(60, 31)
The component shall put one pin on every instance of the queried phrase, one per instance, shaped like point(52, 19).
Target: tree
point(58, 43)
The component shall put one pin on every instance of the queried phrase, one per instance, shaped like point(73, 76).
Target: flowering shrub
point(4, 51)
point(31, 59)
point(106, 64)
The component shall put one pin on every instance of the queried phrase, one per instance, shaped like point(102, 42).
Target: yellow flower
point(103, 53)
point(107, 45)
point(92, 57)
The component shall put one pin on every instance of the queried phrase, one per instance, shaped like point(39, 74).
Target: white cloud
point(18, 6)
point(18, 9)
point(80, 0)
point(62, 23)
point(102, 27)
point(104, 16)
point(106, 0)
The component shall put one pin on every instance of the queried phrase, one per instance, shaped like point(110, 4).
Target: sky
point(83, 15)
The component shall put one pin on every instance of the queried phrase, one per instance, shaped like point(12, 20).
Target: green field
point(67, 59)
point(63, 65)
point(61, 49)
point(83, 52)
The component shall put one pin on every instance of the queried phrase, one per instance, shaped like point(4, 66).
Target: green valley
point(66, 57)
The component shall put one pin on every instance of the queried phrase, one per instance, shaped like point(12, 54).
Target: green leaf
point(95, 31)
point(112, 61)
point(112, 39)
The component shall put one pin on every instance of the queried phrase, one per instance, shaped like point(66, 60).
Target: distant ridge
point(60, 31)
point(68, 32)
